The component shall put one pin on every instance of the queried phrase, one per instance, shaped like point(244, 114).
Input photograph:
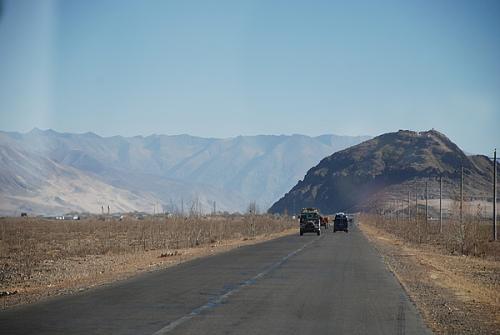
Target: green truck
point(310, 221)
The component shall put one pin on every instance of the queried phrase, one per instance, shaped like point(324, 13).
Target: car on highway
point(310, 221)
point(340, 223)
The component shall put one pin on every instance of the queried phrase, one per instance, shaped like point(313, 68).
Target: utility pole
point(440, 204)
point(416, 214)
point(426, 205)
point(416, 203)
point(402, 209)
point(409, 208)
point(462, 195)
point(495, 233)
point(397, 212)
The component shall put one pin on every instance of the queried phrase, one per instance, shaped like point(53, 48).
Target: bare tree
point(253, 208)
point(195, 209)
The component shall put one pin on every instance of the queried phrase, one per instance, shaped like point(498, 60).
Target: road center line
point(218, 299)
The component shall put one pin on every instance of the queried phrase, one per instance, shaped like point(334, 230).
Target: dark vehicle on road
point(340, 222)
point(310, 221)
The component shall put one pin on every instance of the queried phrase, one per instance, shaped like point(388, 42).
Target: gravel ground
point(455, 294)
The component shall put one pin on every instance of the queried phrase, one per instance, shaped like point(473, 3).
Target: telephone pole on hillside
point(462, 195)
point(495, 237)
point(409, 207)
point(440, 204)
point(426, 205)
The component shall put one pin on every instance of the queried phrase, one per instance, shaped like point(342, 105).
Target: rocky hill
point(387, 167)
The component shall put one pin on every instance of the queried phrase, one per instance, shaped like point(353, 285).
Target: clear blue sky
point(225, 68)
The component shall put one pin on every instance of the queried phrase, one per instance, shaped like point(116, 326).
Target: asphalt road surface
point(332, 284)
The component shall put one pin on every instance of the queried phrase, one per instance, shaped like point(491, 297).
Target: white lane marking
point(214, 302)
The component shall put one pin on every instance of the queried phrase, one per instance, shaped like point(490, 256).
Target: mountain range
point(48, 172)
point(383, 169)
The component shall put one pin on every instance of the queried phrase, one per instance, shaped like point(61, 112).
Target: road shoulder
point(449, 291)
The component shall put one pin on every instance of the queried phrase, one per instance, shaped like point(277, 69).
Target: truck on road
point(310, 221)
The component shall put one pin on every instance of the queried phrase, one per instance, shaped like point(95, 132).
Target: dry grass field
point(470, 236)
point(40, 258)
point(453, 276)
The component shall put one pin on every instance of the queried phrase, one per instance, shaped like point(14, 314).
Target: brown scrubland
point(40, 258)
point(453, 275)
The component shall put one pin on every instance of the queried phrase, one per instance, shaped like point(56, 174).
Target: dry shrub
point(28, 242)
point(469, 236)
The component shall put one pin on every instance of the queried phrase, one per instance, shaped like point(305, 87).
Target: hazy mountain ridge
point(171, 170)
point(386, 166)
point(35, 184)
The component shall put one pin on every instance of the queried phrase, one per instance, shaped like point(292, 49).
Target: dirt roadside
point(70, 275)
point(455, 294)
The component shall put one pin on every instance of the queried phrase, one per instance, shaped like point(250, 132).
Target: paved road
point(332, 284)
